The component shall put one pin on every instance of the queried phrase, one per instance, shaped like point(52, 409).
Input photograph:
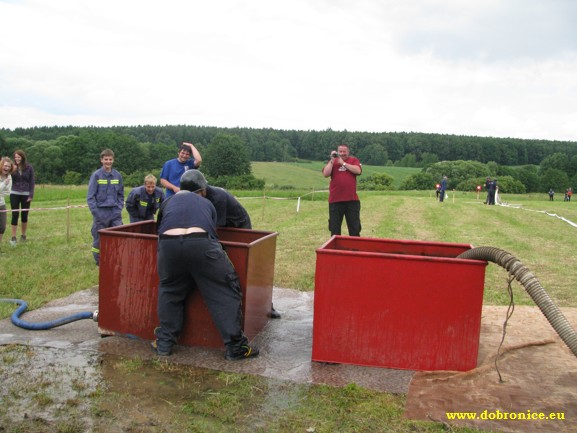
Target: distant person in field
point(492, 191)
point(551, 194)
point(343, 170)
point(188, 158)
point(144, 201)
point(5, 188)
point(105, 199)
point(22, 194)
point(443, 189)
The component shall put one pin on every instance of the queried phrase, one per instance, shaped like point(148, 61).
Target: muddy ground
point(70, 379)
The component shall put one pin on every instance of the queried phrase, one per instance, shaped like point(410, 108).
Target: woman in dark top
point(22, 194)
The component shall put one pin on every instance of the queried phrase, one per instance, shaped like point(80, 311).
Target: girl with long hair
point(5, 188)
point(22, 194)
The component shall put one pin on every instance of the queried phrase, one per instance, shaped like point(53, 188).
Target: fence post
point(68, 219)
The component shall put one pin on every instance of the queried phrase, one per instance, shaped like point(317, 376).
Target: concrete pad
point(285, 344)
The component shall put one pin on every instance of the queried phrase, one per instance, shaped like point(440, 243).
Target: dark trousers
point(351, 211)
point(186, 263)
point(491, 197)
point(16, 202)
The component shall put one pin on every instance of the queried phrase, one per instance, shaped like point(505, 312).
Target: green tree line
point(69, 154)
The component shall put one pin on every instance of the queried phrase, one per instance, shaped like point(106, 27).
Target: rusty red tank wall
point(128, 283)
point(397, 304)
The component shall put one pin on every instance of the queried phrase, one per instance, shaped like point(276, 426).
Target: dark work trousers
point(351, 211)
point(188, 261)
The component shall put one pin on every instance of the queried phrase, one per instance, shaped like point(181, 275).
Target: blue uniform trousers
point(103, 218)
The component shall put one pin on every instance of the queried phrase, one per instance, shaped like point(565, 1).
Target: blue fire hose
point(40, 326)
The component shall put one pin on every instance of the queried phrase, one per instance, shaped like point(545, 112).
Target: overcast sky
point(502, 68)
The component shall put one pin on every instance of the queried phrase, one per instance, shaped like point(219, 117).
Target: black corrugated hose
point(532, 286)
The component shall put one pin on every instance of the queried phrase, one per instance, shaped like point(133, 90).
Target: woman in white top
point(5, 189)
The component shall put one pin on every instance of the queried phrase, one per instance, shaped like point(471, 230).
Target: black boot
point(274, 314)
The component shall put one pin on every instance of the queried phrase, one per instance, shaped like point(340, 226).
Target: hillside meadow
point(307, 174)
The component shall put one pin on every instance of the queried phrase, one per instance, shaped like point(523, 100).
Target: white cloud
point(494, 67)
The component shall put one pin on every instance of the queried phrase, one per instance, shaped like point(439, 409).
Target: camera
point(334, 154)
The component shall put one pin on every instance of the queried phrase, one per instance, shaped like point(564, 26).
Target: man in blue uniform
point(188, 158)
point(105, 199)
point(189, 252)
point(143, 201)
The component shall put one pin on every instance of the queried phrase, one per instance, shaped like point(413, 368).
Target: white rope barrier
point(298, 199)
point(571, 223)
point(239, 198)
point(43, 208)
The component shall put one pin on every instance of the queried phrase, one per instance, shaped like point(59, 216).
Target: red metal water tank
point(128, 283)
point(397, 304)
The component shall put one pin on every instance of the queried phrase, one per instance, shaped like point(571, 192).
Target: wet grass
point(154, 396)
point(201, 400)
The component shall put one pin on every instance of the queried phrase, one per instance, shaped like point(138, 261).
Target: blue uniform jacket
point(141, 206)
point(105, 190)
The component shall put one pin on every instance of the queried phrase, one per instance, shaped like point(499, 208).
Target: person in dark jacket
point(190, 254)
point(143, 201)
point(230, 213)
point(22, 194)
point(105, 199)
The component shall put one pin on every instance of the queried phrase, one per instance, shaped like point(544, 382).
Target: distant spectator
point(344, 202)
point(551, 194)
point(144, 201)
point(443, 189)
point(22, 194)
point(5, 188)
point(492, 190)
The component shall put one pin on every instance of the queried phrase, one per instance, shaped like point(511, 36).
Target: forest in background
point(70, 154)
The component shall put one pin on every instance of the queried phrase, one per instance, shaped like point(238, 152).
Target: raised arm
point(195, 154)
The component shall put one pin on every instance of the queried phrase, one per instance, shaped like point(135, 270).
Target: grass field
point(56, 261)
